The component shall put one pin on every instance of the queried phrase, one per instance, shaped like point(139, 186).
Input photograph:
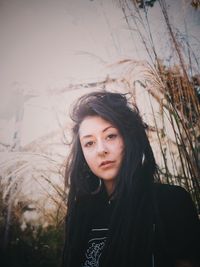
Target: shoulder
point(179, 219)
point(169, 189)
point(171, 194)
point(175, 204)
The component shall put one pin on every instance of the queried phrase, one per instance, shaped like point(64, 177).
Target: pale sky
point(47, 44)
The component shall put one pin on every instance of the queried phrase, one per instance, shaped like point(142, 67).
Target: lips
point(106, 163)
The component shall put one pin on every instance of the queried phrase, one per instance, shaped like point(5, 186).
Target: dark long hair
point(130, 229)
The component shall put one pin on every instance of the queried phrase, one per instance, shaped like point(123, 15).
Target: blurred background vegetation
point(32, 227)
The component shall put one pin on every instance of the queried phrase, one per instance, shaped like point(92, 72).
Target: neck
point(109, 185)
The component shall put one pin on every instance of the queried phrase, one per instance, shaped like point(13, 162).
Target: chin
point(108, 178)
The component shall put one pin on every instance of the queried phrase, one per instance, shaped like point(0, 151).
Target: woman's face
point(103, 148)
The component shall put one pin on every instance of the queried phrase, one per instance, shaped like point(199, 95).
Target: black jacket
point(179, 224)
point(177, 227)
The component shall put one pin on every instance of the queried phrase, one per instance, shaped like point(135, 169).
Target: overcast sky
point(47, 44)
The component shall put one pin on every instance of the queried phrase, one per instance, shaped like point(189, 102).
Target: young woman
point(117, 215)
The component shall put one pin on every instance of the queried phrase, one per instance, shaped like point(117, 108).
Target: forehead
point(93, 124)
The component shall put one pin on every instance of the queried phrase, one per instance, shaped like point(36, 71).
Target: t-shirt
point(176, 236)
point(98, 235)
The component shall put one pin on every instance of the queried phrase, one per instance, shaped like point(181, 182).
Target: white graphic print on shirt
point(95, 248)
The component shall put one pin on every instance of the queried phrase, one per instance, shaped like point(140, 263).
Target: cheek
point(91, 163)
point(89, 158)
point(121, 147)
point(122, 152)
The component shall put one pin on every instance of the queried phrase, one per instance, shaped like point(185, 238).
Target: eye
point(111, 136)
point(88, 144)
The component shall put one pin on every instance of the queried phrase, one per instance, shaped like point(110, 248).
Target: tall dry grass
point(176, 89)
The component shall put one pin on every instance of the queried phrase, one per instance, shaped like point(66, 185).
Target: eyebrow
point(104, 130)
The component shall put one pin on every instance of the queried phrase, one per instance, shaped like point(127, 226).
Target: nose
point(102, 149)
